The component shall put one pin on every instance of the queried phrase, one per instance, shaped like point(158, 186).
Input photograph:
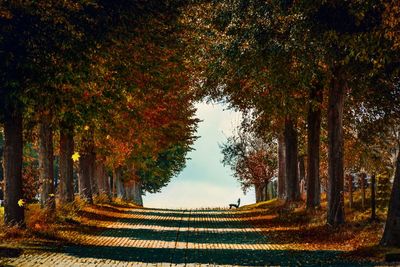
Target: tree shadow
point(205, 237)
point(174, 221)
point(214, 256)
point(185, 214)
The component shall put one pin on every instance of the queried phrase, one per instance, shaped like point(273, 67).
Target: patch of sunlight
point(262, 205)
point(177, 228)
point(157, 244)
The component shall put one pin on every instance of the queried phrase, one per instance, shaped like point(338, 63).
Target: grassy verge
point(70, 224)
point(294, 224)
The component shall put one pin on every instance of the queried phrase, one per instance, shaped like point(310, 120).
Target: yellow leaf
point(21, 202)
point(108, 137)
point(75, 157)
point(86, 128)
point(51, 195)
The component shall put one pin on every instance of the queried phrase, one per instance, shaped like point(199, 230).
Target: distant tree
point(252, 160)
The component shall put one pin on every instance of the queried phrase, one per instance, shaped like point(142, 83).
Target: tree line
point(94, 98)
point(318, 80)
point(115, 82)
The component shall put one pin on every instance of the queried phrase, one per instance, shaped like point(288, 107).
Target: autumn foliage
point(97, 99)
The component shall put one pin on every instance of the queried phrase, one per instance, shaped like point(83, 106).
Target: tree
point(313, 148)
point(69, 58)
point(13, 142)
point(335, 156)
point(46, 160)
point(292, 181)
point(66, 188)
point(391, 234)
point(281, 168)
point(252, 160)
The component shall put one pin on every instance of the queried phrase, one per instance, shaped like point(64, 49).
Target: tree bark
point(302, 173)
point(102, 179)
point(112, 183)
point(108, 185)
point(259, 193)
point(350, 181)
point(373, 198)
point(313, 146)
point(292, 181)
point(92, 171)
point(335, 150)
point(133, 192)
point(119, 184)
point(86, 170)
point(66, 188)
point(281, 167)
point(46, 163)
point(13, 143)
point(115, 179)
point(362, 184)
point(85, 187)
point(99, 175)
point(267, 193)
point(391, 235)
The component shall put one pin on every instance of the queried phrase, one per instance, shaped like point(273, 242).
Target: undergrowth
point(43, 225)
point(292, 223)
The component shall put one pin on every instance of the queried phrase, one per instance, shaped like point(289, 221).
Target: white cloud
point(205, 182)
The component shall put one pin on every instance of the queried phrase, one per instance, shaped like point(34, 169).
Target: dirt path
point(157, 237)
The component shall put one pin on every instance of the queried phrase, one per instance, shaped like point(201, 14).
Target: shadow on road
point(209, 237)
point(219, 257)
point(199, 228)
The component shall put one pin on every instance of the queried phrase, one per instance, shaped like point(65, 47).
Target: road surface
point(159, 237)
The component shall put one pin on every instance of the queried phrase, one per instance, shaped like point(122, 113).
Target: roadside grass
point(292, 223)
point(69, 224)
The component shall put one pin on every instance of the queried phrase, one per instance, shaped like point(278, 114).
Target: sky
point(205, 182)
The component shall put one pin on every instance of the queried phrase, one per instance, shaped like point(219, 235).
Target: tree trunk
point(66, 188)
point(259, 192)
point(274, 190)
point(46, 163)
point(86, 168)
point(267, 194)
point(292, 182)
point(373, 198)
point(313, 145)
point(391, 235)
point(99, 176)
point(119, 184)
point(92, 171)
point(350, 181)
point(281, 167)
point(56, 172)
point(302, 174)
point(335, 150)
point(108, 185)
point(362, 184)
point(112, 183)
point(102, 178)
point(85, 187)
point(13, 143)
point(133, 192)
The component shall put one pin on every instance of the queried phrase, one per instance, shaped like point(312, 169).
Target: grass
point(69, 225)
point(294, 224)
